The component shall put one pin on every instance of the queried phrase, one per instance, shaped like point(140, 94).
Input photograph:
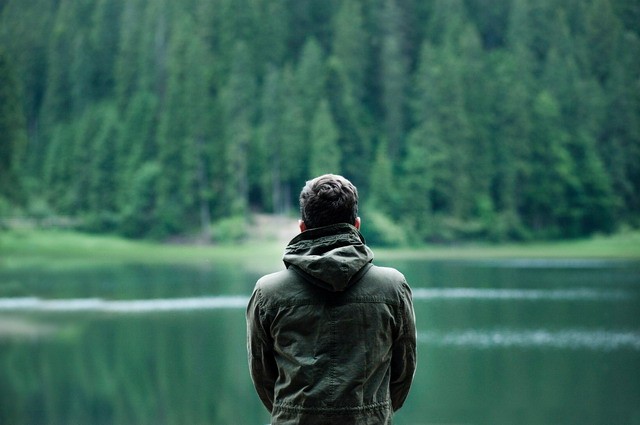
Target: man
point(331, 339)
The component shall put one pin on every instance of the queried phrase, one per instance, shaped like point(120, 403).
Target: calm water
point(500, 342)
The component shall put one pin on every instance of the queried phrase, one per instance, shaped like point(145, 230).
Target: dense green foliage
point(502, 119)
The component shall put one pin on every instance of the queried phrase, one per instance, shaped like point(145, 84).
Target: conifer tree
point(238, 103)
point(349, 48)
point(553, 179)
point(12, 133)
point(347, 86)
point(582, 109)
point(270, 165)
point(382, 195)
point(419, 168)
point(310, 79)
point(294, 137)
point(138, 212)
point(272, 33)
point(325, 156)
point(448, 19)
point(305, 87)
point(103, 171)
point(510, 109)
point(103, 37)
point(136, 145)
point(25, 32)
point(57, 103)
point(129, 56)
point(394, 74)
point(172, 136)
point(52, 167)
point(603, 31)
point(619, 140)
point(78, 158)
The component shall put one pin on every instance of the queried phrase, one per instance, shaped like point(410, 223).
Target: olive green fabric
point(331, 339)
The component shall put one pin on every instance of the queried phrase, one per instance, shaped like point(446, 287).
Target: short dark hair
point(328, 199)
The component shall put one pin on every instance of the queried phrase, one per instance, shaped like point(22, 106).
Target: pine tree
point(325, 156)
point(310, 79)
point(383, 187)
point(448, 19)
point(582, 109)
point(273, 33)
point(138, 212)
point(419, 168)
point(270, 164)
point(553, 180)
point(12, 133)
point(103, 171)
point(238, 104)
point(476, 106)
point(236, 22)
point(197, 177)
point(347, 86)
point(57, 103)
point(51, 165)
point(305, 87)
point(603, 31)
point(129, 56)
point(511, 123)
point(104, 35)
point(172, 136)
point(349, 48)
point(78, 162)
point(294, 137)
point(394, 74)
point(25, 31)
point(619, 140)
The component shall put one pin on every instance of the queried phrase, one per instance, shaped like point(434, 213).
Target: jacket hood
point(330, 256)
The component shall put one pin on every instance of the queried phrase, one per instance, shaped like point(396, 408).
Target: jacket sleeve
point(403, 360)
point(262, 364)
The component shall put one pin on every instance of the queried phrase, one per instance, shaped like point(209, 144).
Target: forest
point(457, 119)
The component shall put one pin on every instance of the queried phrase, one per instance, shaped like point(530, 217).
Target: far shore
point(28, 247)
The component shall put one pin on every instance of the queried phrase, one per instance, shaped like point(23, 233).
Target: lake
point(500, 342)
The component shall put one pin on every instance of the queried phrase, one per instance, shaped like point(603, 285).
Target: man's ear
point(357, 223)
point(303, 226)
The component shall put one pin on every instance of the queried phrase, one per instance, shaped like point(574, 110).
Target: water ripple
point(576, 294)
point(122, 306)
point(598, 339)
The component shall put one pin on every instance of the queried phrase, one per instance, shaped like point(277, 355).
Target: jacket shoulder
point(274, 280)
point(387, 272)
point(278, 285)
point(384, 281)
point(386, 275)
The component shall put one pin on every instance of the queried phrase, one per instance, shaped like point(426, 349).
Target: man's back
point(332, 338)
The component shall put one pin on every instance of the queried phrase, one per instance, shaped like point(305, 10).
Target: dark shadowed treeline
point(501, 119)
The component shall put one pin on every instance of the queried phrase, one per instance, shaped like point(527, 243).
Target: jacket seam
point(333, 354)
point(334, 410)
point(342, 302)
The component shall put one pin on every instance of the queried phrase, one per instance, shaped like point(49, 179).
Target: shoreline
point(27, 247)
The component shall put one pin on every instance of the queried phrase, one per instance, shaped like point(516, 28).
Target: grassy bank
point(619, 246)
point(25, 247)
point(29, 247)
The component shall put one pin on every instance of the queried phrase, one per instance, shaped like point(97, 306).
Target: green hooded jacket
point(331, 339)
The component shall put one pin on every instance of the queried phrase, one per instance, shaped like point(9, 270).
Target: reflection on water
point(122, 306)
point(552, 263)
point(519, 294)
point(541, 338)
point(500, 342)
point(239, 301)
